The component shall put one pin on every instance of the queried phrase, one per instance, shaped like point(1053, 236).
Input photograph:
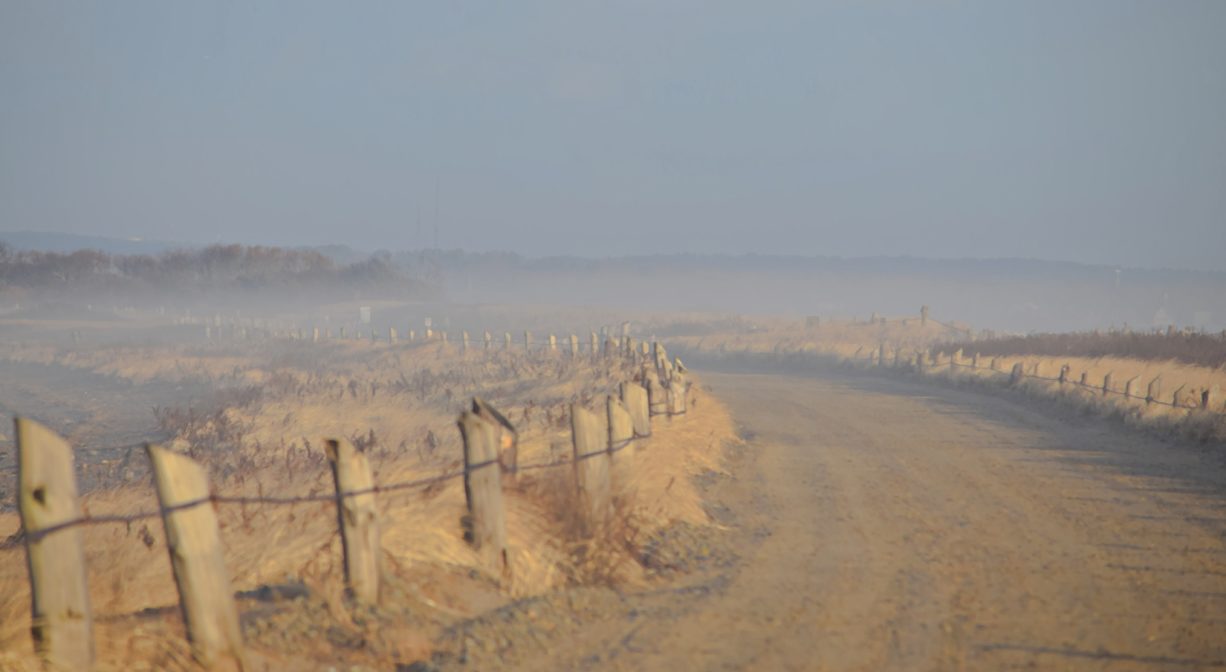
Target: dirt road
point(887, 525)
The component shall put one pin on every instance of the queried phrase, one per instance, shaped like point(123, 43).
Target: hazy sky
point(1087, 131)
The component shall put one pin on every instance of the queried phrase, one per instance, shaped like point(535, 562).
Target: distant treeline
point(218, 267)
point(1187, 347)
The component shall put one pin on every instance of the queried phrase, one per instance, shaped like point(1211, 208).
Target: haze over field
point(1086, 132)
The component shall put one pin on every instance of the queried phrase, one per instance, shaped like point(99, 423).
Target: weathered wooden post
point(881, 354)
point(634, 396)
point(553, 344)
point(678, 387)
point(975, 361)
point(657, 398)
point(358, 517)
point(595, 351)
point(508, 436)
point(1037, 369)
point(574, 346)
point(489, 341)
point(591, 458)
point(619, 423)
point(923, 316)
point(464, 342)
point(506, 340)
point(527, 341)
point(1154, 390)
point(486, 527)
point(63, 628)
point(1130, 386)
point(1107, 384)
point(315, 334)
point(1016, 375)
point(342, 333)
point(205, 596)
point(1085, 379)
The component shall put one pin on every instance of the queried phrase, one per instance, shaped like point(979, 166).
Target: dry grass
point(399, 402)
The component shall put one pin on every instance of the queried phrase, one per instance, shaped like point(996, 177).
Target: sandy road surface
point(886, 525)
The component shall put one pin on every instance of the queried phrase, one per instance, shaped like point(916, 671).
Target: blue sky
point(1085, 131)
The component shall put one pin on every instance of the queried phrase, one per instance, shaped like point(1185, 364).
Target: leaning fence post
point(1154, 390)
point(358, 517)
point(508, 436)
point(1130, 386)
point(591, 458)
point(196, 556)
point(486, 520)
point(63, 628)
point(634, 396)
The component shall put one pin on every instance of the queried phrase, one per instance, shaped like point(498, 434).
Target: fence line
point(62, 623)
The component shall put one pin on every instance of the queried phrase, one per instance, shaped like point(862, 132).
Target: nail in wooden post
point(358, 517)
point(47, 498)
point(196, 556)
point(591, 457)
point(634, 396)
point(486, 520)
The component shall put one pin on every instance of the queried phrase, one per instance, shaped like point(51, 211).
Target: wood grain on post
point(634, 396)
point(620, 424)
point(591, 458)
point(192, 536)
point(487, 526)
point(358, 517)
point(46, 499)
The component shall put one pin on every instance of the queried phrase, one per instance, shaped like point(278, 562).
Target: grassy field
point(260, 431)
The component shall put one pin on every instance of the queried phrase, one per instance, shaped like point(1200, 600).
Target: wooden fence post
point(508, 436)
point(358, 517)
point(315, 334)
point(486, 520)
point(881, 354)
point(1085, 378)
point(574, 346)
point(1153, 390)
point(489, 341)
point(464, 342)
point(506, 340)
point(196, 556)
point(527, 341)
point(63, 628)
point(595, 345)
point(591, 458)
point(923, 316)
point(634, 396)
point(1107, 383)
point(657, 399)
point(1064, 371)
point(678, 387)
point(1016, 375)
point(620, 424)
point(553, 343)
point(1130, 386)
